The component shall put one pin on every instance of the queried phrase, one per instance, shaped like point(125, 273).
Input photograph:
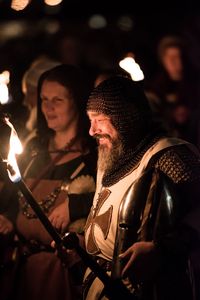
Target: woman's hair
point(75, 81)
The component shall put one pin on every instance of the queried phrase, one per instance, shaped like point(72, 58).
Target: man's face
point(102, 129)
point(110, 147)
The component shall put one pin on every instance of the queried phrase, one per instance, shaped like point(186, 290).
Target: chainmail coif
point(125, 103)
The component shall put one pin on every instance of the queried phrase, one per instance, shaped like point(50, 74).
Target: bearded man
point(144, 226)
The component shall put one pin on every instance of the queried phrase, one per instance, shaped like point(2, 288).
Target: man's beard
point(108, 157)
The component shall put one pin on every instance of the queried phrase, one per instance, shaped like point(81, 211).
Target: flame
point(52, 2)
point(19, 4)
point(4, 93)
point(15, 148)
point(129, 65)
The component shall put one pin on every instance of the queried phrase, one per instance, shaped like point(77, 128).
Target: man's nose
point(93, 129)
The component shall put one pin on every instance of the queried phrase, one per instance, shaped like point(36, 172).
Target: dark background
point(64, 33)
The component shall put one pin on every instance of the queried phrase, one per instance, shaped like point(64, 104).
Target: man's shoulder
point(168, 142)
point(159, 147)
point(176, 146)
point(180, 161)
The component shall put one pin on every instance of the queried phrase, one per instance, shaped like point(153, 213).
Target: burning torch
point(70, 239)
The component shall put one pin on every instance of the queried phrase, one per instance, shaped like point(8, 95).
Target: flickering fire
point(15, 148)
point(129, 65)
point(4, 81)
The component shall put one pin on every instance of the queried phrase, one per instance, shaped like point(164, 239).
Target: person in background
point(143, 226)
point(173, 92)
point(60, 173)
point(29, 89)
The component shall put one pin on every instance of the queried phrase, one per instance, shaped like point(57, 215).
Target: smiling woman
point(58, 107)
point(59, 168)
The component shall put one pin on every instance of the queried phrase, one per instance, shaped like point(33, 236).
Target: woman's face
point(58, 106)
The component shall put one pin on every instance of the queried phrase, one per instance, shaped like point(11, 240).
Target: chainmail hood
point(125, 103)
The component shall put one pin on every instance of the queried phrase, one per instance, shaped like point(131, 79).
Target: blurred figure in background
point(173, 91)
point(61, 175)
point(29, 89)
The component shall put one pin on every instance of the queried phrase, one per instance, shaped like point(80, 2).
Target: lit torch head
point(129, 64)
point(15, 147)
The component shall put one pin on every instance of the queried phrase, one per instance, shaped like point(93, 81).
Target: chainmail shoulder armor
point(180, 164)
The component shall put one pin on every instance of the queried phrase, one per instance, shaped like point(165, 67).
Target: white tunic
point(102, 226)
point(102, 222)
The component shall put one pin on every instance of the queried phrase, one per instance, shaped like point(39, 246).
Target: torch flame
point(129, 64)
point(4, 92)
point(15, 148)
